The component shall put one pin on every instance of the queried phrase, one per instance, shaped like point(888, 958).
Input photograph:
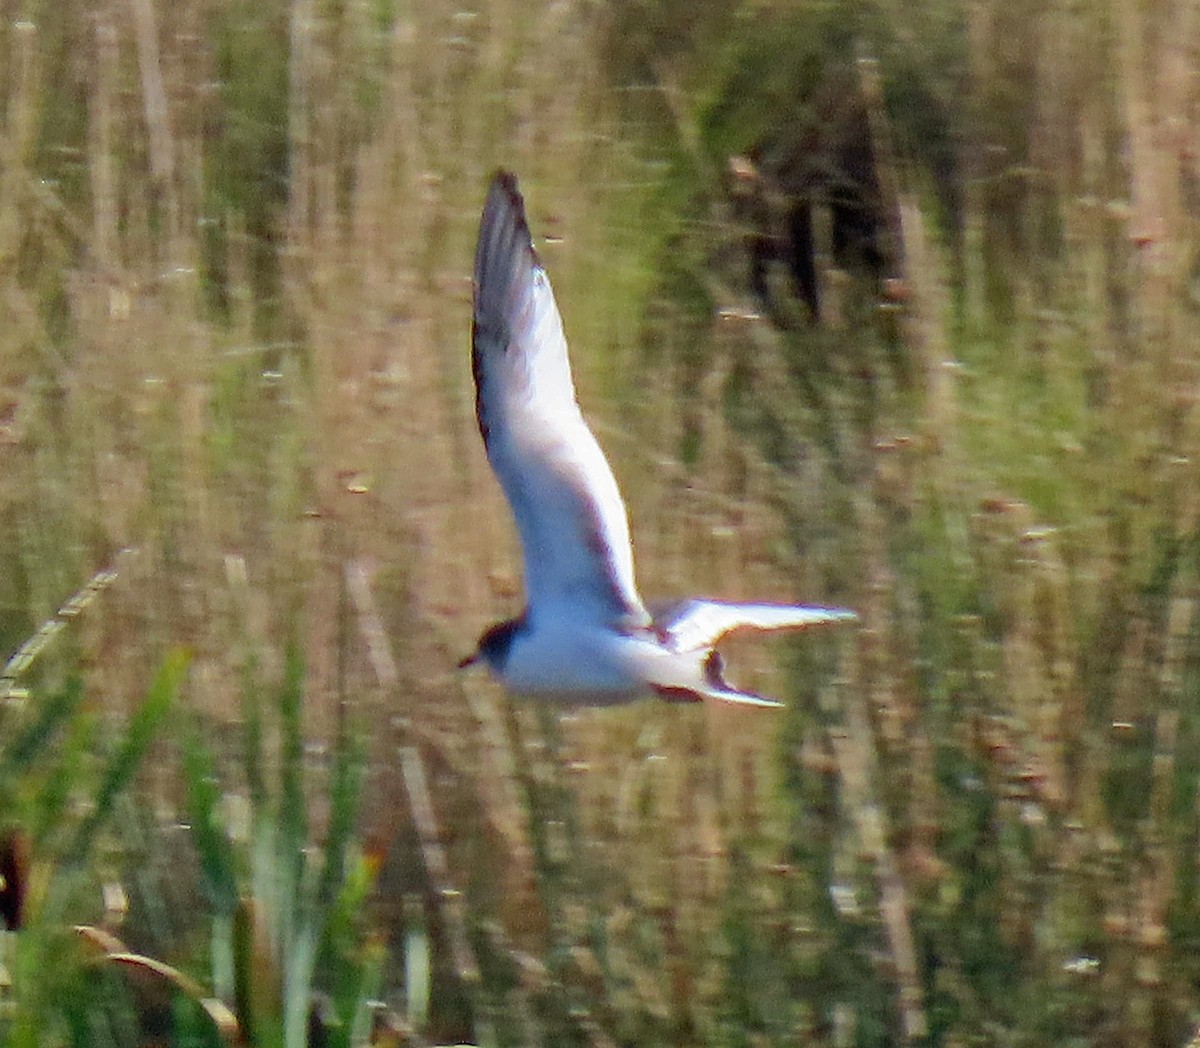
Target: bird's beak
point(470, 660)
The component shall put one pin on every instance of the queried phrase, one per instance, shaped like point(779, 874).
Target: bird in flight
point(585, 637)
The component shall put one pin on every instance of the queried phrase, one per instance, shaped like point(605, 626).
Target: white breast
point(589, 666)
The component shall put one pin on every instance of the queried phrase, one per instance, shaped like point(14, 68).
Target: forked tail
point(714, 686)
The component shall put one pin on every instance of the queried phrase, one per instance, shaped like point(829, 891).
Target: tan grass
point(298, 442)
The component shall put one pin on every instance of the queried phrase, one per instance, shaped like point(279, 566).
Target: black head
point(494, 645)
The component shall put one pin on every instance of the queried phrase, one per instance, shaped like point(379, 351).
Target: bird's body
point(573, 660)
point(589, 664)
point(585, 637)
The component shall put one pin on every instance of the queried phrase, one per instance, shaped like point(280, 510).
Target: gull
point(585, 637)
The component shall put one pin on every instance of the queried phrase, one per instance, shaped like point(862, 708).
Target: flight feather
point(568, 510)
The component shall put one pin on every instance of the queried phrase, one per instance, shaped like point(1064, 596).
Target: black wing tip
point(505, 181)
point(506, 205)
point(505, 193)
point(503, 251)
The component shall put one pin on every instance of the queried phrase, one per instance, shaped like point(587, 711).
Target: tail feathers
point(717, 692)
point(717, 687)
point(739, 698)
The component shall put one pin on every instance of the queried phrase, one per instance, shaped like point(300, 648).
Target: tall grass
point(235, 243)
point(1023, 512)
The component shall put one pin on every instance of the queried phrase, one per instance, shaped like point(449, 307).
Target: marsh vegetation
point(890, 306)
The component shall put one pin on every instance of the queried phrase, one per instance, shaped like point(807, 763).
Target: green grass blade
point(351, 969)
point(59, 785)
point(212, 843)
point(28, 746)
point(257, 978)
point(253, 756)
point(344, 793)
point(293, 823)
point(142, 726)
point(299, 966)
point(418, 966)
point(366, 992)
point(291, 881)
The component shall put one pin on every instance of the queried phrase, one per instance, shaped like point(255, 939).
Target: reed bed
point(235, 248)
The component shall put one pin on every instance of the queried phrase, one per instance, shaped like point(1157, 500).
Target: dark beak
point(470, 660)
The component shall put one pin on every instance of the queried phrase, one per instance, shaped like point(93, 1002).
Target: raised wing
point(694, 624)
point(568, 510)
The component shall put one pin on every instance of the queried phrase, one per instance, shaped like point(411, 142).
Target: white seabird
point(585, 637)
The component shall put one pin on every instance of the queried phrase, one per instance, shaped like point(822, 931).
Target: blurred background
point(885, 305)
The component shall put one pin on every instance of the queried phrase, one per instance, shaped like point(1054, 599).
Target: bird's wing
point(568, 510)
point(693, 624)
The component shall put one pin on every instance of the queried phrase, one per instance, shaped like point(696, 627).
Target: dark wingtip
point(507, 181)
point(504, 196)
point(504, 257)
point(504, 188)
